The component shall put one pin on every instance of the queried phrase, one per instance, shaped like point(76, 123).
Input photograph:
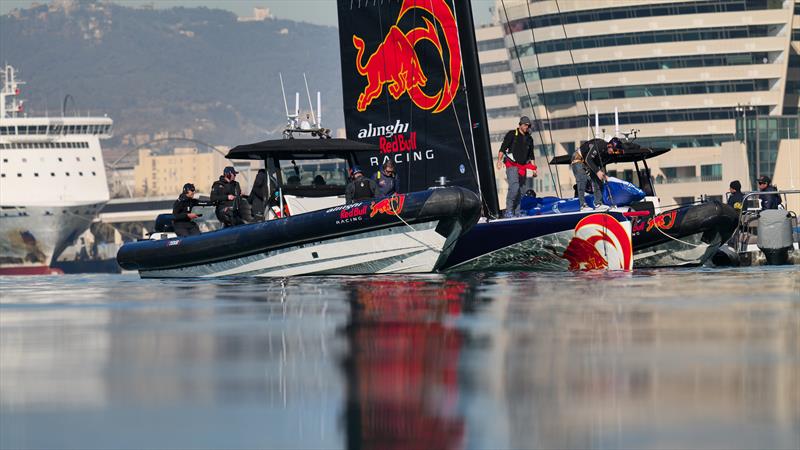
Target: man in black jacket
point(225, 194)
point(736, 197)
point(361, 188)
point(182, 215)
point(587, 164)
point(387, 181)
point(768, 201)
point(516, 154)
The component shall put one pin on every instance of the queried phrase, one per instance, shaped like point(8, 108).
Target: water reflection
point(662, 359)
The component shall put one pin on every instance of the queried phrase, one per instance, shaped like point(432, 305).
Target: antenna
point(319, 110)
point(283, 92)
point(310, 105)
point(296, 104)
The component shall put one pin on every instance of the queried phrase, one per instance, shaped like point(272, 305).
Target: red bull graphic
point(395, 61)
point(600, 242)
point(390, 205)
point(663, 221)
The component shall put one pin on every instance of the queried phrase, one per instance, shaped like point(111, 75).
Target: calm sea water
point(654, 359)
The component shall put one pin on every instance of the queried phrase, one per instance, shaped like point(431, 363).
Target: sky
point(321, 12)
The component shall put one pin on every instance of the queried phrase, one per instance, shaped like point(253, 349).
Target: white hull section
point(34, 236)
point(401, 249)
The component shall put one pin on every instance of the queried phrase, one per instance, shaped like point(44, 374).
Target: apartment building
point(689, 75)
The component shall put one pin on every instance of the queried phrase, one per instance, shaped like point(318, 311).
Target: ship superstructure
point(52, 181)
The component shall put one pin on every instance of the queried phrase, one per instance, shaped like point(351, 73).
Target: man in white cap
point(516, 154)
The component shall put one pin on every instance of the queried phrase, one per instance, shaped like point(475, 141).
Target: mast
point(476, 106)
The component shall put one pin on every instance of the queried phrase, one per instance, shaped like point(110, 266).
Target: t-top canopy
point(262, 149)
point(631, 152)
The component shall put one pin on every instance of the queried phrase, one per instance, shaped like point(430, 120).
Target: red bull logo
point(663, 221)
point(390, 205)
point(600, 242)
point(395, 61)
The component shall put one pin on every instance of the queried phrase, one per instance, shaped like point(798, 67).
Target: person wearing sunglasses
point(386, 179)
point(768, 201)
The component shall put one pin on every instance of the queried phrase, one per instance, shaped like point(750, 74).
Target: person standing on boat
point(182, 215)
point(360, 188)
point(768, 201)
point(736, 197)
point(516, 154)
point(225, 194)
point(587, 164)
point(386, 179)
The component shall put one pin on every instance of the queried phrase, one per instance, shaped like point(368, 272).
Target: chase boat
point(406, 233)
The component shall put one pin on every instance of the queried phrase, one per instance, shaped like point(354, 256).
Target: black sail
point(407, 69)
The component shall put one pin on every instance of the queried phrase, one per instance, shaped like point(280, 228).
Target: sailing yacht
point(411, 85)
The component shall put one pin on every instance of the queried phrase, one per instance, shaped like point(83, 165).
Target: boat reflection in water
point(402, 369)
point(662, 359)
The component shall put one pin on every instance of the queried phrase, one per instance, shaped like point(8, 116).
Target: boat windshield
point(314, 173)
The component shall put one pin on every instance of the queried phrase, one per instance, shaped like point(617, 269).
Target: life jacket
point(362, 190)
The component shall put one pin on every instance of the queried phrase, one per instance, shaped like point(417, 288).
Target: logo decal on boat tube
point(664, 221)
point(390, 205)
point(395, 61)
point(600, 242)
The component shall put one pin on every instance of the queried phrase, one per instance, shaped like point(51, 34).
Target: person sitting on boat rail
point(768, 201)
point(182, 215)
point(225, 194)
point(516, 154)
point(386, 179)
point(736, 197)
point(360, 188)
point(587, 164)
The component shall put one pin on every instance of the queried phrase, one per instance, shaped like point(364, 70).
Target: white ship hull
point(32, 237)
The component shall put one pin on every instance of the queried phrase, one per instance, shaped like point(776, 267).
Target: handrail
point(757, 193)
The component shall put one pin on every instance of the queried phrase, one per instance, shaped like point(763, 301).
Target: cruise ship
point(52, 181)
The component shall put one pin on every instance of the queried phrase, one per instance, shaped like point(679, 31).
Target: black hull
point(685, 236)
point(544, 243)
point(451, 210)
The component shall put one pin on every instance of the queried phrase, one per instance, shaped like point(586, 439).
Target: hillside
point(192, 72)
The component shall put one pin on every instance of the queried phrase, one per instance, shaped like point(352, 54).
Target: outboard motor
point(775, 235)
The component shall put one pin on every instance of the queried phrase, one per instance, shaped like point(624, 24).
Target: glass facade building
point(684, 74)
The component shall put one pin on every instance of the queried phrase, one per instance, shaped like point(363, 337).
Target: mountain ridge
point(182, 72)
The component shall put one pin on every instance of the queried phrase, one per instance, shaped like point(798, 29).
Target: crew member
point(387, 181)
point(768, 201)
point(182, 215)
point(225, 194)
point(587, 165)
point(360, 188)
point(516, 154)
point(736, 197)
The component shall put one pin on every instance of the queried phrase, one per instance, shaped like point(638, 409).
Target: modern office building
point(686, 74)
point(502, 104)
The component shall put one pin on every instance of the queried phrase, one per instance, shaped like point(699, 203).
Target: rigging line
point(524, 78)
point(577, 77)
point(546, 114)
